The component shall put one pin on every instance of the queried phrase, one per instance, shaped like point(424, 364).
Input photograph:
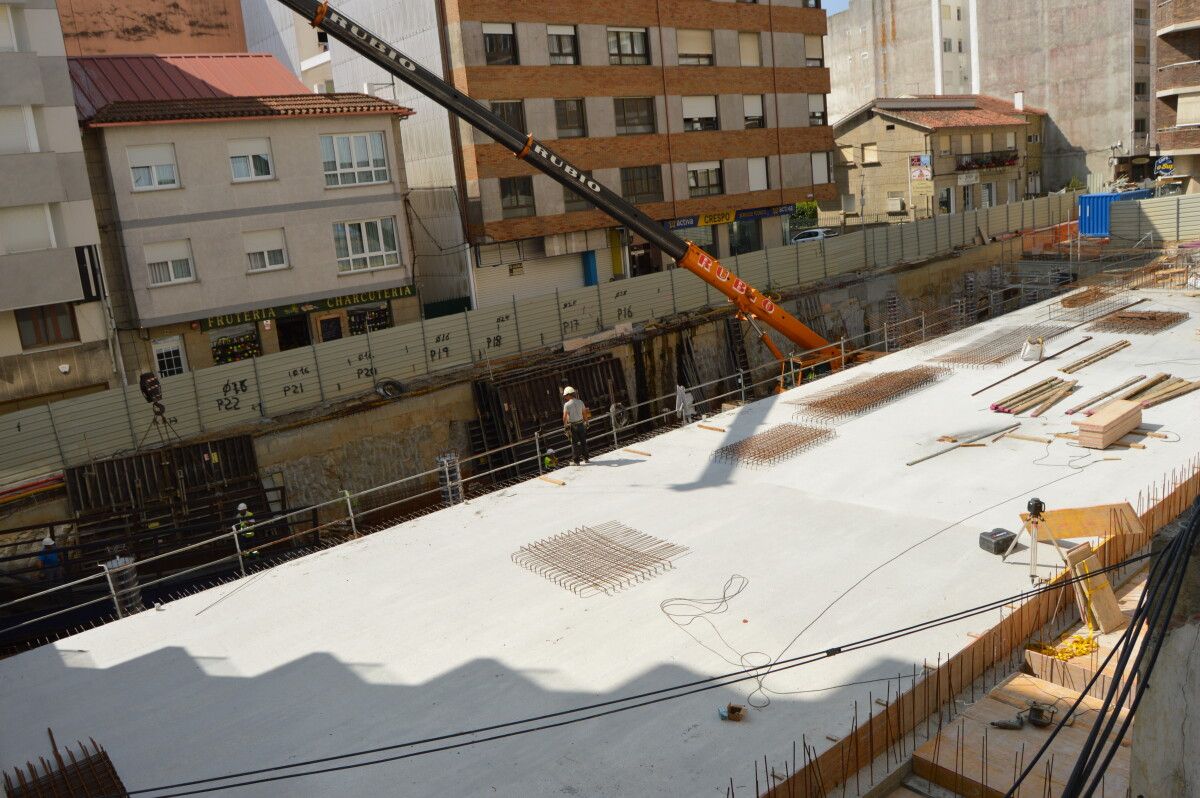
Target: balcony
point(1177, 76)
point(1178, 139)
point(1176, 15)
point(39, 278)
point(999, 159)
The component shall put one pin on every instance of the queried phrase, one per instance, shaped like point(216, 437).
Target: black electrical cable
point(700, 685)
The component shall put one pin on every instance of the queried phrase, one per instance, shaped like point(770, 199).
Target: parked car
point(813, 234)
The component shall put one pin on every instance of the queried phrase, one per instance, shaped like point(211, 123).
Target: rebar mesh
point(600, 559)
point(999, 347)
point(868, 392)
point(773, 445)
point(1143, 322)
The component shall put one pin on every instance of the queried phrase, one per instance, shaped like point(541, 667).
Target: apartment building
point(709, 115)
point(54, 331)
point(1087, 64)
point(912, 157)
point(1176, 116)
point(94, 27)
point(242, 214)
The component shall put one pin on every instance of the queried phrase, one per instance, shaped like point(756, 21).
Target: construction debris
point(1142, 322)
point(773, 445)
point(601, 559)
point(866, 393)
point(1095, 357)
point(1107, 426)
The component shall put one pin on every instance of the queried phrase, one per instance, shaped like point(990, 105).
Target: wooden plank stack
point(1155, 390)
point(1039, 397)
point(1095, 357)
point(1109, 424)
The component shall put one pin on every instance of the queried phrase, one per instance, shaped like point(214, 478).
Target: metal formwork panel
point(448, 342)
point(27, 440)
point(540, 325)
point(493, 332)
point(398, 352)
point(289, 381)
point(227, 395)
point(581, 312)
point(94, 425)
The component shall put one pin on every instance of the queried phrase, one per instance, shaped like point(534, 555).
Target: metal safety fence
point(41, 440)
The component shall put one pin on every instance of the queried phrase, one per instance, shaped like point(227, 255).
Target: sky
point(834, 6)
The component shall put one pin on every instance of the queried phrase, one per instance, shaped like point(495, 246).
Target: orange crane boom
point(752, 305)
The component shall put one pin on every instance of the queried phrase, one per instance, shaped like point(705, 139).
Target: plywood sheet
point(1101, 520)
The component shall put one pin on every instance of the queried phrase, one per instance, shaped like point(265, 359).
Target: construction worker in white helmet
point(245, 520)
point(575, 418)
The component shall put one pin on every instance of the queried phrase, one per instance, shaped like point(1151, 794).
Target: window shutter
point(14, 136)
point(749, 45)
point(560, 30)
point(24, 228)
point(498, 27)
point(694, 42)
point(260, 240)
point(813, 47)
point(151, 154)
point(249, 147)
point(703, 166)
point(816, 103)
point(758, 173)
point(698, 107)
point(167, 251)
point(753, 104)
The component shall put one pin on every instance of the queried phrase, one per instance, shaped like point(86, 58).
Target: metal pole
point(922, 326)
point(316, 368)
point(537, 445)
point(350, 510)
point(262, 406)
point(562, 333)
point(470, 343)
point(842, 345)
point(112, 590)
point(517, 324)
point(612, 422)
point(238, 545)
point(599, 308)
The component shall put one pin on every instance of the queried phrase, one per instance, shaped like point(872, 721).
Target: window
point(958, 14)
point(983, 142)
point(628, 46)
point(634, 115)
point(988, 195)
point(960, 45)
point(1141, 53)
point(367, 244)
point(947, 45)
point(1010, 140)
point(700, 113)
point(695, 47)
point(25, 228)
point(1033, 138)
point(563, 44)
point(870, 153)
point(757, 167)
point(820, 168)
point(17, 131)
point(964, 144)
point(250, 159)
point(499, 43)
point(967, 203)
point(511, 111)
point(816, 109)
point(847, 152)
point(1141, 91)
point(46, 325)
point(945, 200)
point(945, 12)
point(571, 118)
point(169, 262)
point(1141, 16)
point(943, 145)
point(152, 167)
point(265, 250)
point(704, 179)
point(752, 107)
point(169, 357)
point(351, 159)
point(814, 51)
point(8, 39)
point(745, 236)
point(572, 201)
point(751, 49)
point(516, 197)
point(642, 183)
point(1139, 124)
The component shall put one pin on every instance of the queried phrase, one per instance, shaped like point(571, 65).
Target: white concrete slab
point(429, 627)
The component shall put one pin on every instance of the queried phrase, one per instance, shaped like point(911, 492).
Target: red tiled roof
point(937, 111)
point(226, 108)
point(100, 80)
point(955, 117)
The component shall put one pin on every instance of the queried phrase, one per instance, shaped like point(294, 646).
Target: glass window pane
point(343, 149)
point(142, 177)
point(381, 175)
point(160, 272)
point(275, 257)
point(372, 236)
point(356, 238)
point(182, 267)
point(331, 180)
point(327, 158)
point(257, 261)
point(340, 246)
point(241, 167)
point(389, 234)
point(262, 166)
point(165, 174)
point(378, 158)
point(375, 261)
point(362, 156)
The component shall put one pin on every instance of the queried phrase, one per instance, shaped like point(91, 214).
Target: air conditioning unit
point(895, 205)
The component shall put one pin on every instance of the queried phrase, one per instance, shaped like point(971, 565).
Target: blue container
point(1094, 210)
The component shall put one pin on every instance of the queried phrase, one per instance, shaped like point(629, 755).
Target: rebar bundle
point(773, 445)
point(868, 392)
point(1087, 296)
point(1094, 357)
point(999, 347)
point(600, 559)
point(1142, 322)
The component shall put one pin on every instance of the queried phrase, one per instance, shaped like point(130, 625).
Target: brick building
point(710, 115)
point(1177, 90)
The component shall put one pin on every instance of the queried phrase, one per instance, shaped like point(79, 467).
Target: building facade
point(1089, 65)
point(242, 225)
point(911, 158)
point(1176, 117)
point(709, 115)
point(91, 27)
point(54, 329)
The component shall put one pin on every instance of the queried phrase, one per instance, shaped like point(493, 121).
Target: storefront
point(740, 231)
